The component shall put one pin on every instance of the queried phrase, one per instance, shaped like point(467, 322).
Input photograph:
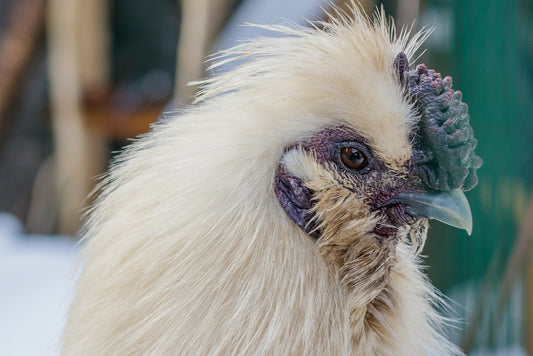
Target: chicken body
point(233, 228)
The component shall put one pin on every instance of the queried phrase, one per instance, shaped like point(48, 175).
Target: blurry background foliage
point(77, 79)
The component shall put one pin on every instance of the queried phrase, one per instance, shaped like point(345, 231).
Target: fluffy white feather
point(188, 250)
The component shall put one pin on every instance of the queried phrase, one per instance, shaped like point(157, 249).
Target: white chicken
point(283, 212)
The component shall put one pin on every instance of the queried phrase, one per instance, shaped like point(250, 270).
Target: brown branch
point(25, 24)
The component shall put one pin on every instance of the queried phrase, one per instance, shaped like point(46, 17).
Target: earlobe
point(296, 199)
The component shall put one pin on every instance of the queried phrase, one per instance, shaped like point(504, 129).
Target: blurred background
point(79, 79)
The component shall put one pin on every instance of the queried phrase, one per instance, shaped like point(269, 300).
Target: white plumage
point(188, 250)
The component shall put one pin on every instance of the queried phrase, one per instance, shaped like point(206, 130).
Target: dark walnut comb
point(444, 143)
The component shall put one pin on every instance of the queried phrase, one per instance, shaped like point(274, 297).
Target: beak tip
point(451, 207)
point(468, 221)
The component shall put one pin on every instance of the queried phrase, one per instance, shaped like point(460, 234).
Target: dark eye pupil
point(353, 158)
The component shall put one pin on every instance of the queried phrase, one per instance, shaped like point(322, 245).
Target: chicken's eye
point(353, 158)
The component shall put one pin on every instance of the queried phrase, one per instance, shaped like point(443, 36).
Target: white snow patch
point(37, 274)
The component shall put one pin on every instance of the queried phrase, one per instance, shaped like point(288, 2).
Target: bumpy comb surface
point(444, 144)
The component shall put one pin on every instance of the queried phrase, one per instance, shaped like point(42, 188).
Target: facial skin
point(355, 169)
point(429, 185)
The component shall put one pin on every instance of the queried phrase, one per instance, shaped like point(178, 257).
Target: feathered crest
point(265, 58)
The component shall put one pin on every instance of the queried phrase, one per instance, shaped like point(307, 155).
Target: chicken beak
point(450, 207)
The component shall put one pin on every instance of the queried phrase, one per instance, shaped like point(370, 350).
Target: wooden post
point(200, 22)
point(94, 46)
point(194, 36)
point(72, 141)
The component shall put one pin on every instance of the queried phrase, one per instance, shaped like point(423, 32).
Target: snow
point(36, 278)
